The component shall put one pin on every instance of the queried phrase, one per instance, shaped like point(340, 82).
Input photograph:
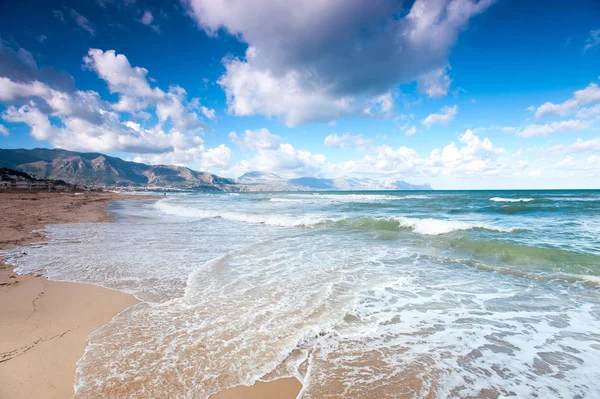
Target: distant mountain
point(314, 183)
point(259, 177)
point(102, 170)
point(95, 169)
point(272, 182)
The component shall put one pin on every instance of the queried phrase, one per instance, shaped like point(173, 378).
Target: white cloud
point(476, 157)
point(208, 112)
point(260, 139)
point(589, 112)
point(535, 173)
point(564, 162)
point(129, 82)
point(589, 145)
point(345, 140)
point(436, 83)
point(445, 116)
point(10, 90)
point(381, 160)
point(136, 93)
point(252, 91)
point(411, 131)
point(578, 146)
point(172, 108)
point(381, 105)
point(39, 123)
point(580, 98)
point(274, 156)
point(593, 40)
point(81, 120)
point(4, 130)
point(554, 127)
point(218, 157)
point(147, 18)
point(331, 58)
point(496, 128)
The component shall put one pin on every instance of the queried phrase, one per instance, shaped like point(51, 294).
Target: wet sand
point(46, 324)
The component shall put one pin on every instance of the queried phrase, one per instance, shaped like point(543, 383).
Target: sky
point(460, 94)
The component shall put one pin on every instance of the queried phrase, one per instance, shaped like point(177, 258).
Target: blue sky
point(456, 93)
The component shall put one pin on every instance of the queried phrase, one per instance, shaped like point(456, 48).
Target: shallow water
point(361, 295)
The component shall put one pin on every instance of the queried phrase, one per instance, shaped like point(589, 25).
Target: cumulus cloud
point(590, 94)
point(129, 82)
point(82, 120)
point(272, 155)
point(4, 130)
point(475, 157)
point(260, 139)
point(444, 117)
point(345, 140)
point(328, 59)
point(383, 160)
point(218, 157)
point(554, 127)
point(136, 93)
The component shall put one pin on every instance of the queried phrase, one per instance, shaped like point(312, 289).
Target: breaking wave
point(500, 199)
point(424, 226)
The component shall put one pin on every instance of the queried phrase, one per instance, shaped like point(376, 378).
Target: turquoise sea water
point(358, 294)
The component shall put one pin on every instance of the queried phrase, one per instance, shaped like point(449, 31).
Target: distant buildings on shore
point(11, 179)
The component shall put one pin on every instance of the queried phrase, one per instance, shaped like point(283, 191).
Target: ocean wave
point(306, 220)
point(500, 199)
point(424, 226)
point(438, 226)
point(316, 198)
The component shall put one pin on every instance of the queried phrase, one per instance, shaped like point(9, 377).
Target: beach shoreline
point(47, 324)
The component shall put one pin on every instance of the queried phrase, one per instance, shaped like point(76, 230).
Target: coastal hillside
point(95, 169)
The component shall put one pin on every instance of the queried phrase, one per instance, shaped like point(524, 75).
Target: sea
point(400, 294)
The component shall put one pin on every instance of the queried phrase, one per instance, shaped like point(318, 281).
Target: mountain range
point(277, 183)
point(96, 169)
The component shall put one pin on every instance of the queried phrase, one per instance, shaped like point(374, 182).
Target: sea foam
point(500, 199)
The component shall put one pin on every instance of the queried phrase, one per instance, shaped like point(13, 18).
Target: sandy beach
point(46, 324)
